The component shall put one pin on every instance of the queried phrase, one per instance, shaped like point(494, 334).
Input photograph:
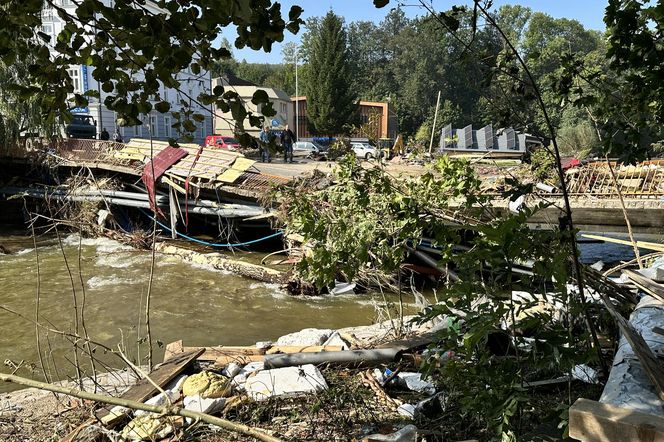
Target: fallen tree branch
point(134, 405)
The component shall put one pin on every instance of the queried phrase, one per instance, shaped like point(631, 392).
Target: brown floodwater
point(193, 303)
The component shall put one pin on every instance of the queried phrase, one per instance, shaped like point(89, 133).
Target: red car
point(221, 142)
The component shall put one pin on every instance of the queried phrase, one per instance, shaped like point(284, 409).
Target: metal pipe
point(225, 211)
point(377, 355)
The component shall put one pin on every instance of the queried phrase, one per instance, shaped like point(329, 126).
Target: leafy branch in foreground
point(367, 219)
point(506, 328)
point(134, 48)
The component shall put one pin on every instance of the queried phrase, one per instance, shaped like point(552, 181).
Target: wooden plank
point(646, 284)
point(547, 382)
point(240, 359)
point(242, 164)
point(172, 349)
point(162, 375)
point(229, 176)
point(213, 353)
point(591, 421)
point(648, 360)
point(640, 244)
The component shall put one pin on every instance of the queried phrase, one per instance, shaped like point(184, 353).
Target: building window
point(203, 130)
point(153, 124)
point(47, 14)
point(165, 93)
point(168, 128)
point(284, 108)
point(67, 3)
point(75, 74)
point(47, 29)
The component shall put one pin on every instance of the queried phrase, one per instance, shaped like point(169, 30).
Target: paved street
point(299, 167)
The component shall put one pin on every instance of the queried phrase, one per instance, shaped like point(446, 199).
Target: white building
point(192, 85)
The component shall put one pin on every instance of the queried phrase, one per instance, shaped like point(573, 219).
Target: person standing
point(104, 135)
point(287, 140)
point(264, 138)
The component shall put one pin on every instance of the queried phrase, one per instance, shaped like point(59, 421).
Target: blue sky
point(588, 12)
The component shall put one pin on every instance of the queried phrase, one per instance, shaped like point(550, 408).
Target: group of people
point(105, 136)
point(287, 138)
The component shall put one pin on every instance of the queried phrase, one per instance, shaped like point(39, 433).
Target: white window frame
point(153, 125)
point(167, 126)
point(203, 130)
point(75, 74)
point(47, 14)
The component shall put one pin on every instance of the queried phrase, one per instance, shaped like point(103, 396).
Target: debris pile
point(240, 381)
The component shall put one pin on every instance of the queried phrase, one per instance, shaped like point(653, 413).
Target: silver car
point(305, 149)
point(364, 150)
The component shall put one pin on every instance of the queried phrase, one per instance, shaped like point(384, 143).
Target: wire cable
point(206, 243)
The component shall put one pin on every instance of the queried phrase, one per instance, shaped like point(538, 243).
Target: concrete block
point(290, 381)
point(308, 336)
point(406, 434)
point(204, 405)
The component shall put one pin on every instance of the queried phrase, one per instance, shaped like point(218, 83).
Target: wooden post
point(591, 421)
point(433, 128)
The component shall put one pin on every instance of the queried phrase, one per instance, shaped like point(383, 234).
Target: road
point(299, 167)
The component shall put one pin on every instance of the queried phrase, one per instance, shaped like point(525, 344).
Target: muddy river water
point(196, 304)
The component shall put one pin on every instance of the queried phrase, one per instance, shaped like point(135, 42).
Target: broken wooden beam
point(591, 421)
point(646, 284)
point(144, 389)
point(223, 355)
point(220, 262)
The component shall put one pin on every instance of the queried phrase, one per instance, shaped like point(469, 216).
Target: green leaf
point(189, 125)
point(259, 97)
point(162, 107)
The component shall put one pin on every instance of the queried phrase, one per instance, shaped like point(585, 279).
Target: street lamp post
point(297, 101)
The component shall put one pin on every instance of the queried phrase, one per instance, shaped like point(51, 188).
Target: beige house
point(281, 103)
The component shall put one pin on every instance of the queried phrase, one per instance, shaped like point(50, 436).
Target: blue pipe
point(205, 243)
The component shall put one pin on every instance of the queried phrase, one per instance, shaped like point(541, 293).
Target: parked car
point(221, 142)
point(365, 150)
point(306, 149)
point(82, 126)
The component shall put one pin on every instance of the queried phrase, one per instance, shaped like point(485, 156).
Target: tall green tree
point(331, 103)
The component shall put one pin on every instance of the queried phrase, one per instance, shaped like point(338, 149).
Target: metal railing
point(644, 180)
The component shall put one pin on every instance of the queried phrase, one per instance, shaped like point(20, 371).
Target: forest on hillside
point(406, 61)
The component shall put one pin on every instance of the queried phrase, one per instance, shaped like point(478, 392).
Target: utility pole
point(433, 128)
point(297, 101)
